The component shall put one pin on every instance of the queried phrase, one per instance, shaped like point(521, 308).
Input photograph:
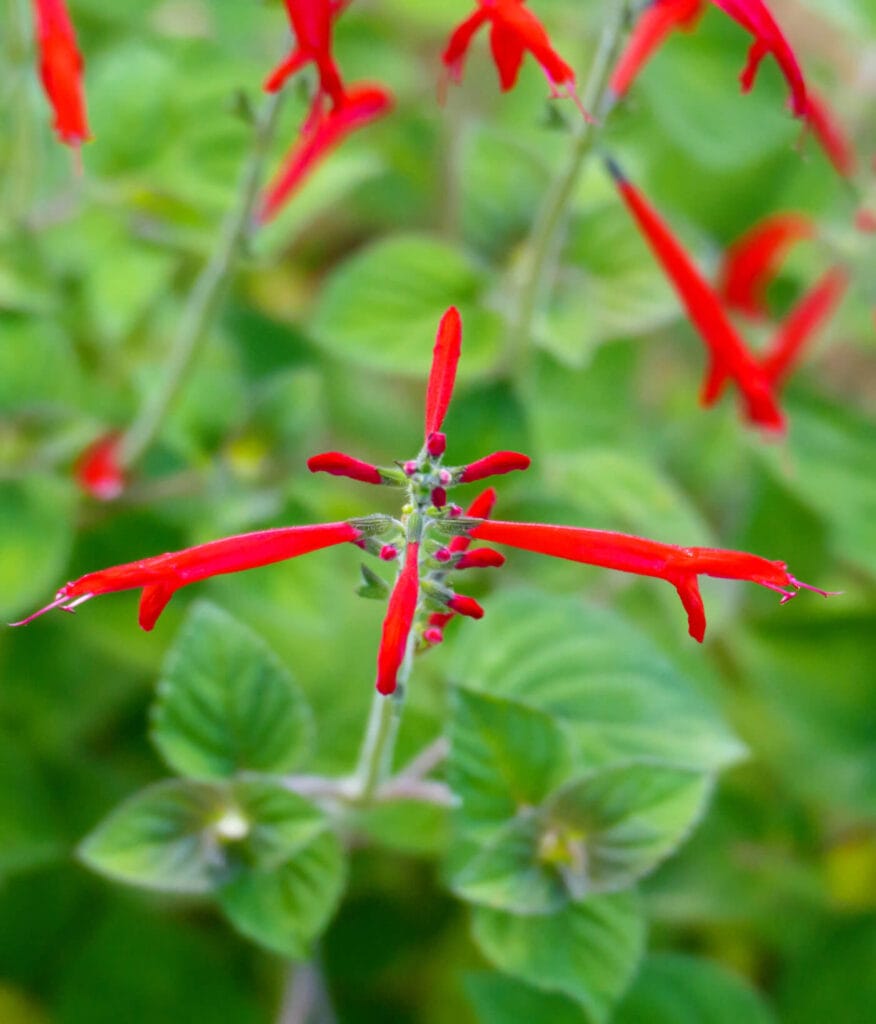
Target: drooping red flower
point(161, 576)
point(339, 464)
point(97, 470)
point(677, 565)
point(750, 263)
point(494, 464)
point(831, 135)
point(398, 622)
point(755, 17)
point(654, 24)
point(311, 22)
point(61, 68)
point(728, 353)
point(514, 31)
point(361, 105)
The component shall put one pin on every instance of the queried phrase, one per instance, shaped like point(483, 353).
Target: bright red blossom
point(161, 576)
point(61, 70)
point(442, 376)
point(751, 262)
point(514, 31)
point(398, 622)
point(311, 22)
point(97, 470)
point(728, 353)
point(360, 106)
point(339, 464)
point(625, 553)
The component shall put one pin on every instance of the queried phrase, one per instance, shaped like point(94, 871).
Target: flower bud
point(463, 605)
point(410, 467)
point(439, 497)
point(433, 635)
point(388, 552)
point(493, 465)
point(442, 555)
point(436, 444)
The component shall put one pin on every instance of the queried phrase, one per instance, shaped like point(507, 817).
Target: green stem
point(206, 296)
point(375, 757)
point(544, 239)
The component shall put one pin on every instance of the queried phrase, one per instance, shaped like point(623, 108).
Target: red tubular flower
point(755, 17)
point(399, 619)
point(481, 558)
point(803, 322)
point(442, 376)
point(361, 105)
point(514, 30)
point(97, 470)
point(312, 24)
point(830, 134)
point(655, 23)
point(728, 352)
point(61, 70)
point(339, 464)
point(494, 464)
point(677, 565)
point(750, 263)
point(161, 576)
point(480, 508)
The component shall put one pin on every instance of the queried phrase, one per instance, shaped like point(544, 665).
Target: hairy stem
point(376, 754)
point(205, 298)
point(541, 248)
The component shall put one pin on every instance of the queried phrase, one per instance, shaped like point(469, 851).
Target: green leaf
point(380, 309)
point(38, 367)
point(500, 999)
point(36, 531)
point(587, 951)
point(616, 696)
point(509, 873)
point(616, 825)
point(164, 837)
point(272, 822)
point(504, 756)
point(225, 703)
point(285, 909)
point(674, 989)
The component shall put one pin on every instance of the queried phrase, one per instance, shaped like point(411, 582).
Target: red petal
point(61, 70)
point(398, 621)
point(445, 358)
point(153, 601)
point(751, 262)
point(508, 51)
point(494, 464)
point(829, 132)
point(654, 25)
point(339, 464)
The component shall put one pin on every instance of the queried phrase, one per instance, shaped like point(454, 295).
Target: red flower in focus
point(830, 134)
point(161, 576)
point(398, 622)
point(358, 107)
point(97, 470)
point(625, 553)
point(655, 23)
point(61, 70)
point(514, 30)
point(751, 261)
point(728, 354)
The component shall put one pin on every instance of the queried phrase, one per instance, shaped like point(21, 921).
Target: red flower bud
point(433, 635)
point(436, 444)
point(439, 497)
point(442, 555)
point(61, 70)
point(339, 464)
point(463, 605)
point(388, 552)
point(97, 470)
point(480, 508)
point(494, 464)
point(481, 558)
point(410, 467)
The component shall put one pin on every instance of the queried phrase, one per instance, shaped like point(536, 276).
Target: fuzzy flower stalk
point(430, 541)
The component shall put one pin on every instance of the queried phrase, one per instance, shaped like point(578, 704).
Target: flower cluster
point(430, 540)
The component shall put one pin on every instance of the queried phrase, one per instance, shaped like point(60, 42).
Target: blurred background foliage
point(769, 912)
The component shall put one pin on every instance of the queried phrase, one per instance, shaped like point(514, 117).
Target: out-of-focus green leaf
point(381, 308)
point(164, 837)
point(614, 826)
point(268, 823)
point(673, 989)
point(616, 696)
point(225, 703)
point(500, 999)
point(285, 909)
point(37, 365)
point(588, 951)
point(36, 530)
point(26, 813)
